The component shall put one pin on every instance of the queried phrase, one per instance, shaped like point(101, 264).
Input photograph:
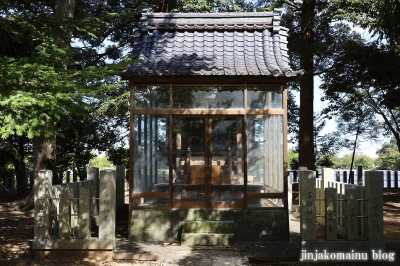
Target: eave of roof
point(210, 44)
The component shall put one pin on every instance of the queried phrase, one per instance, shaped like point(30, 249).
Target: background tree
point(368, 72)
point(344, 162)
point(326, 161)
point(43, 79)
point(101, 162)
point(293, 160)
point(357, 121)
point(388, 156)
point(381, 17)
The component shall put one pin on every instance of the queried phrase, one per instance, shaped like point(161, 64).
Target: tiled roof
point(211, 44)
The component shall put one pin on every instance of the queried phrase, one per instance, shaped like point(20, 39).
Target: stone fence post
point(93, 174)
point(328, 175)
point(107, 202)
point(374, 197)
point(308, 228)
point(65, 213)
point(350, 210)
point(330, 213)
point(42, 204)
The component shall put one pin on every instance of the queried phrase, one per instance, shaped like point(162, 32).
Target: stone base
point(84, 244)
point(377, 245)
point(341, 246)
point(207, 239)
point(249, 225)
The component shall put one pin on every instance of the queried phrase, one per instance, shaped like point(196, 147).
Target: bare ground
point(16, 234)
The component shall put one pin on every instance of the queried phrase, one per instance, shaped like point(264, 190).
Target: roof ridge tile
point(211, 44)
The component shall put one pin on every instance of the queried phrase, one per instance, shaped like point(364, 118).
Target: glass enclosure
point(264, 98)
point(201, 97)
point(187, 155)
point(188, 158)
point(265, 156)
point(151, 166)
point(155, 97)
point(226, 159)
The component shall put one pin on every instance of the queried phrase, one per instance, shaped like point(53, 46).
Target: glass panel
point(265, 154)
point(188, 159)
point(152, 97)
point(151, 153)
point(261, 203)
point(264, 98)
point(201, 97)
point(227, 159)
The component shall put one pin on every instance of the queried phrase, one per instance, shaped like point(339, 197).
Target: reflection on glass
point(150, 202)
point(264, 98)
point(227, 159)
point(152, 97)
point(265, 154)
point(151, 153)
point(264, 202)
point(188, 159)
point(201, 97)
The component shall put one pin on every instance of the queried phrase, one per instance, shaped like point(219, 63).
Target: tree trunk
point(64, 8)
point(351, 176)
point(306, 123)
point(167, 6)
point(397, 137)
point(44, 155)
point(20, 169)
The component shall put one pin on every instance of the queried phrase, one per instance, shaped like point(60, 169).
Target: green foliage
point(379, 16)
point(119, 156)
point(360, 160)
point(389, 161)
point(365, 76)
point(293, 158)
point(48, 80)
point(388, 156)
point(388, 24)
point(209, 6)
point(101, 162)
point(326, 161)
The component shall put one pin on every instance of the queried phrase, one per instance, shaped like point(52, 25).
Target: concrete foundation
point(249, 225)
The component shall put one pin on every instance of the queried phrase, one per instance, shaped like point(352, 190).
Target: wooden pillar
point(239, 143)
